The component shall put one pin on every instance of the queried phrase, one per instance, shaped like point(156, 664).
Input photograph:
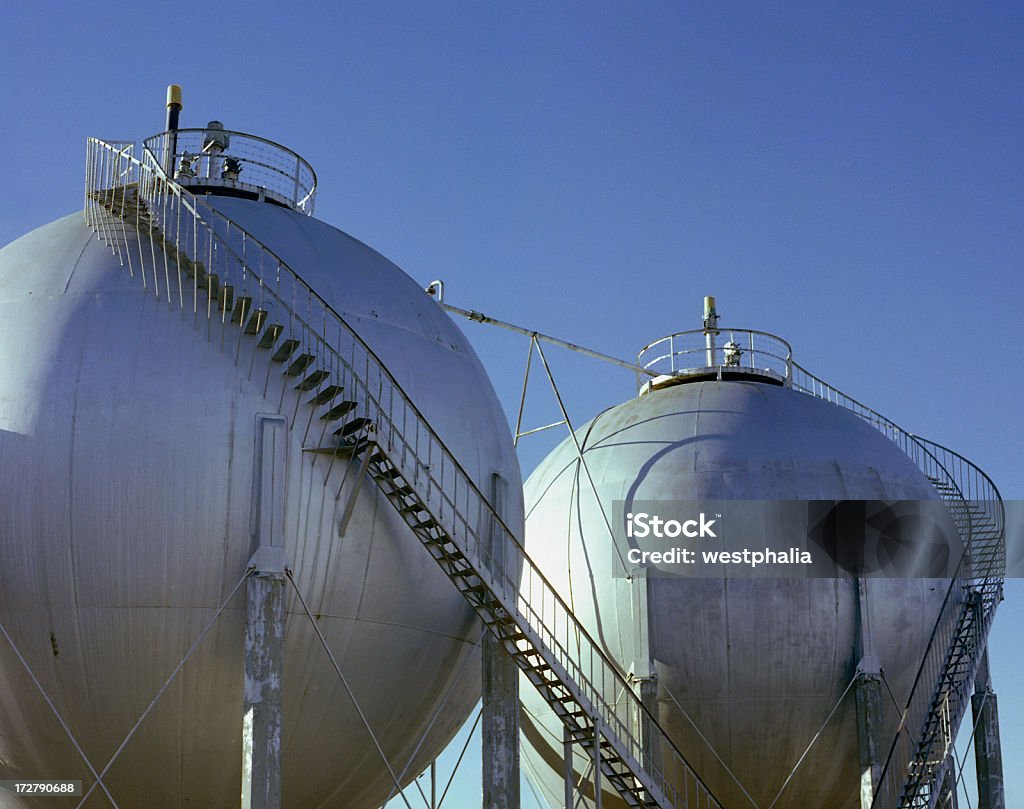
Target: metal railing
point(222, 158)
point(689, 352)
point(192, 235)
point(973, 499)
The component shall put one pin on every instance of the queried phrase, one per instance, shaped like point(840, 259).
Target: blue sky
point(848, 176)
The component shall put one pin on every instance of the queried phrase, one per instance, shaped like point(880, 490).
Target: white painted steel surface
point(126, 456)
point(757, 664)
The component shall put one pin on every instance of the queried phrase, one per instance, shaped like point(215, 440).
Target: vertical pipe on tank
point(710, 330)
point(988, 757)
point(171, 138)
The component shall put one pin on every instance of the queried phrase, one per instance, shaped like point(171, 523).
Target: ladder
point(215, 269)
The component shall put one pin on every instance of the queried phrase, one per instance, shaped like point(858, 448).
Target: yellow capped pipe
point(174, 95)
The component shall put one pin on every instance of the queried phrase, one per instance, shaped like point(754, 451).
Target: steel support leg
point(988, 757)
point(500, 727)
point(265, 618)
point(264, 661)
point(868, 694)
point(568, 774)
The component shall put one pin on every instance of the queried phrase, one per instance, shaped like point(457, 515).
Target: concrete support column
point(868, 694)
point(500, 727)
point(264, 661)
point(988, 756)
point(265, 619)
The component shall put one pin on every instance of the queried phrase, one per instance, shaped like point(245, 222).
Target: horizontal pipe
point(480, 317)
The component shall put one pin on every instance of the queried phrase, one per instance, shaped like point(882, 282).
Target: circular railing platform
point(718, 353)
point(222, 161)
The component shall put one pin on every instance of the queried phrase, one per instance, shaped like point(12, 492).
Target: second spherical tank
point(747, 670)
point(127, 435)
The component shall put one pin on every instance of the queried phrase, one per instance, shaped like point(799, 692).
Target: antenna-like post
point(171, 128)
point(710, 328)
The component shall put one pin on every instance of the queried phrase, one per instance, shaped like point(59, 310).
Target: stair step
point(300, 364)
point(194, 269)
point(241, 309)
point(226, 297)
point(210, 281)
point(285, 350)
point(313, 380)
point(386, 472)
point(353, 426)
point(270, 335)
point(326, 395)
point(339, 410)
point(256, 321)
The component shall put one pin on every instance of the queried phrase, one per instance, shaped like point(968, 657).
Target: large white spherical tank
point(127, 434)
point(757, 664)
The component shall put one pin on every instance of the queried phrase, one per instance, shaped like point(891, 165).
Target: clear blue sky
point(849, 177)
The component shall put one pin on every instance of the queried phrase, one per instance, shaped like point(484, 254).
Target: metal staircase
point(920, 754)
point(204, 263)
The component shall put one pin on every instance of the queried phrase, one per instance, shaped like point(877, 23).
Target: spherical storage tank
point(127, 456)
point(746, 669)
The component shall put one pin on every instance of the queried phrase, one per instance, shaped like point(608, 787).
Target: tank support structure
point(500, 728)
point(265, 618)
point(868, 696)
point(988, 757)
point(500, 676)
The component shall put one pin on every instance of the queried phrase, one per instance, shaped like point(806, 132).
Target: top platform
point(718, 353)
point(215, 160)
